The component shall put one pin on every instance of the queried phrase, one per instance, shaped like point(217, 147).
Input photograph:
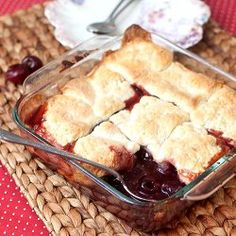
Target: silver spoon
point(73, 159)
point(108, 26)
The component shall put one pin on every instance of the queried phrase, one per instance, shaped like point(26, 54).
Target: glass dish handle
point(225, 170)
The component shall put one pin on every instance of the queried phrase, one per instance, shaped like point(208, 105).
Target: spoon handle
point(73, 159)
point(118, 9)
point(14, 138)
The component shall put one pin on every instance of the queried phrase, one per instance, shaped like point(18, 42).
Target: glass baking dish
point(145, 216)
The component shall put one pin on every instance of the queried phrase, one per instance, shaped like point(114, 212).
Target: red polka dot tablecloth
point(16, 216)
point(9, 6)
point(224, 12)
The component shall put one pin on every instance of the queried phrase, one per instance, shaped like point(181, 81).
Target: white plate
point(177, 20)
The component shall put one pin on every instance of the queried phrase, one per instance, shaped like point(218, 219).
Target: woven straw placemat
point(64, 210)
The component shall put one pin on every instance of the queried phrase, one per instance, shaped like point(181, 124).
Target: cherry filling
point(36, 118)
point(80, 55)
point(222, 141)
point(149, 179)
point(138, 93)
point(66, 64)
point(35, 121)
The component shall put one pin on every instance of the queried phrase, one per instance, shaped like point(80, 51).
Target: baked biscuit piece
point(178, 85)
point(80, 89)
point(67, 119)
point(150, 122)
point(190, 149)
point(181, 86)
point(111, 92)
point(142, 62)
point(83, 103)
point(108, 83)
point(218, 113)
point(108, 146)
point(104, 90)
point(138, 55)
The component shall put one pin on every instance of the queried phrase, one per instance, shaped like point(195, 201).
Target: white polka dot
point(27, 223)
point(5, 192)
point(2, 218)
point(8, 206)
point(18, 221)
point(18, 201)
point(2, 198)
point(7, 225)
point(13, 233)
point(24, 209)
point(8, 186)
point(16, 207)
point(33, 231)
point(0, 184)
point(11, 180)
point(15, 227)
point(24, 229)
point(5, 212)
point(5, 173)
point(41, 233)
point(30, 217)
point(35, 225)
point(3, 179)
point(13, 194)
point(4, 232)
point(10, 219)
point(10, 200)
point(27, 203)
point(21, 215)
point(13, 213)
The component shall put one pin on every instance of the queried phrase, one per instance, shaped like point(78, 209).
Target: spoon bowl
point(102, 27)
point(108, 26)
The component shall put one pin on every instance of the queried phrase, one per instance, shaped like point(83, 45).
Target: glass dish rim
point(180, 194)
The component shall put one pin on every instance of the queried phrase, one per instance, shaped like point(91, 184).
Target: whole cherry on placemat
point(33, 63)
point(17, 73)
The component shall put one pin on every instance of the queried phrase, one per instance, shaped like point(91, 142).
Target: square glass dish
point(145, 216)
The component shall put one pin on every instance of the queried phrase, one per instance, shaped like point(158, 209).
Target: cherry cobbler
point(140, 112)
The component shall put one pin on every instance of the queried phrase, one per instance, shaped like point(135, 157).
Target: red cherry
point(166, 169)
point(149, 185)
point(171, 187)
point(17, 73)
point(33, 62)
